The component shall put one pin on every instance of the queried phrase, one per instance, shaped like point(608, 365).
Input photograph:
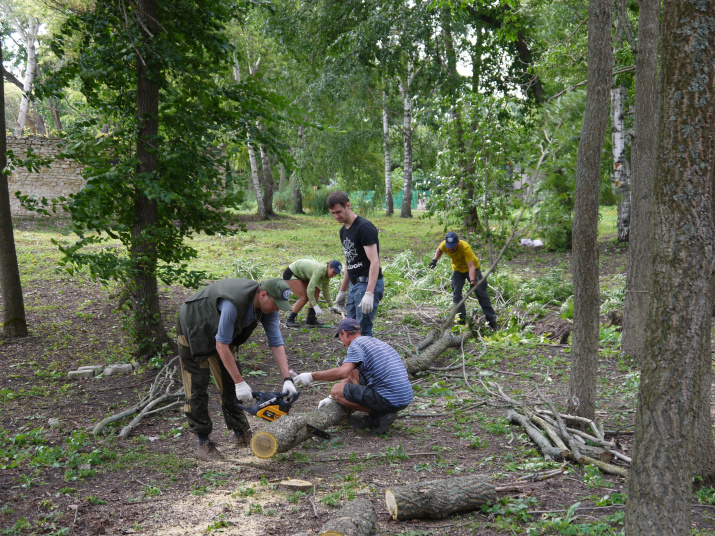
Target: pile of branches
point(584, 442)
point(166, 388)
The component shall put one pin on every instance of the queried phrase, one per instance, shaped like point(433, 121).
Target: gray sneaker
point(384, 421)
point(208, 451)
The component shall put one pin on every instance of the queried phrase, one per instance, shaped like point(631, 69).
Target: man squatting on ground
point(374, 379)
point(306, 278)
point(362, 283)
point(465, 264)
point(212, 324)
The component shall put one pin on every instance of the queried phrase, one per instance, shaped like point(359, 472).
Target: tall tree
point(677, 357)
point(407, 132)
point(14, 322)
point(27, 27)
point(149, 329)
point(389, 201)
point(643, 158)
point(157, 176)
point(584, 364)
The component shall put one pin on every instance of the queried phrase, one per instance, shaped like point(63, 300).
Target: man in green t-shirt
point(306, 278)
point(465, 266)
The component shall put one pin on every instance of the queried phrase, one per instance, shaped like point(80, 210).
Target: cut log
point(356, 518)
point(433, 351)
point(437, 499)
point(287, 432)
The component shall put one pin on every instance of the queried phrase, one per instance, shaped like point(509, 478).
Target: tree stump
point(287, 432)
point(437, 499)
point(356, 518)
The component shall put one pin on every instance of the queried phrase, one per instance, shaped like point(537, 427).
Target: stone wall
point(63, 177)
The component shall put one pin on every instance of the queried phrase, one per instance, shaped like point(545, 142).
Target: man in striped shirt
point(374, 379)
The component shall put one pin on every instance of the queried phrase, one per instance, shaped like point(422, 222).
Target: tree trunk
point(39, 122)
point(431, 352)
point(356, 518)
point(438, 499)
point(52, 105)
point(267, 178)
point(389, 202)
point(295, 182)
point(584, 365)
point(256, 180)
point(14, 323)
point(28, 37)
point(635, 306)
point(675, 365)
point(284, 177)
point(149, 330)
point(620, 178)
point(406, 211)
point(287, 432)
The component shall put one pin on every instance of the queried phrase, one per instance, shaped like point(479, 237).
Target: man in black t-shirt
point(362, 286)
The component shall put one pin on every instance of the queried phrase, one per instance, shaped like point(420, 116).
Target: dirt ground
point(153, 484)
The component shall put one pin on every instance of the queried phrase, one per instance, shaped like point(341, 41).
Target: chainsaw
point(270, 406)
point(273, 406)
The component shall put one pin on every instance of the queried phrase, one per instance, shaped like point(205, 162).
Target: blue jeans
point(458, 280)
point(355, 295)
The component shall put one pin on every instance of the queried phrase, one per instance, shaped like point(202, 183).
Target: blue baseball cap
point(337, 266)
point(452, 240)
point(348, 324)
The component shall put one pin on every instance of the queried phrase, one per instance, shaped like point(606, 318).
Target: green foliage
point(705, 495)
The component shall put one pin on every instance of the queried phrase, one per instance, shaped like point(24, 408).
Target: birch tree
point(584, 364)
point(677, 358)
point(389, 202)
point(407, 132)
point(26, 26)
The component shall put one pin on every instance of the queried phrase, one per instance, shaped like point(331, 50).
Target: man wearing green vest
point(212, 324)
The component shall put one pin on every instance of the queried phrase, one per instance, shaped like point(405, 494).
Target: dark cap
point(452, 240)
point(279, 291)
point(348, 324)
point(337, 266)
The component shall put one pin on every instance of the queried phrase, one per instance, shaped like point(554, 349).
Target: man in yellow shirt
point(465, 266)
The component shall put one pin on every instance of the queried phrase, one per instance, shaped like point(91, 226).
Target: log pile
point(557, 441)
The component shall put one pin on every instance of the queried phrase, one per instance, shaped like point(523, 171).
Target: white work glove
point(301, 380)
point(318, 310)
point(243, 393)
point(366, 303)
point(341, 299)
point(325, 402)
point(290, 387)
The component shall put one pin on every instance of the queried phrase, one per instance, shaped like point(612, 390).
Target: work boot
point(384, 421)
point(361, 421)
point(312, 319)
point(291, 320)
point(241, 439)
point(493, 324)
point(462, 319)
point(208, 451)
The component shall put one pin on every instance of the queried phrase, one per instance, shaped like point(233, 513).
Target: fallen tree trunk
point(356, 518)
point(437, 499)
point(285, 433)
point(433, 351)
